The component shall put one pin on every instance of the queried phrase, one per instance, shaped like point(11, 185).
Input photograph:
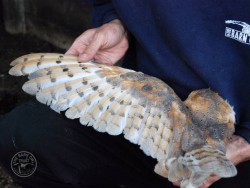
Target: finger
point(81, 43)
point(75, 50)
point(177, 183)
point(104, 58)
point(209, 181)
point(77, 47)
point(234, 138)
point(93, 47)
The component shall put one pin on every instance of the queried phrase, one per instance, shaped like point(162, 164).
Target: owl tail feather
point(206, 161)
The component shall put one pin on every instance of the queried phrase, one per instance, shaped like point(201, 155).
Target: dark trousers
point(69, 154)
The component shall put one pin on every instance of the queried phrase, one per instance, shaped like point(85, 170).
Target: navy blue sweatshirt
point(190, 45)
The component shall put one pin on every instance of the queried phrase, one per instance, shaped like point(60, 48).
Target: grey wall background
point(1, 12)
point(56, 21)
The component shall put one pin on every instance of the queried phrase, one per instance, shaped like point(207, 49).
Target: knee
point(6, 145)
point(36, 129)
point(26, 126)
point(24, 129)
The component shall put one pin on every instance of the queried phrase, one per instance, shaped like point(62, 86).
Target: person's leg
point(72, 155)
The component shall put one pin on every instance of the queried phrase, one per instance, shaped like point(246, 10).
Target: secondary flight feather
point(143, 108)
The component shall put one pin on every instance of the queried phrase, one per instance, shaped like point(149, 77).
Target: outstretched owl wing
point(109, 98)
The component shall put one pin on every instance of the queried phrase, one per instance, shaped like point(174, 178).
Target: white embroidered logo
point(241, 36)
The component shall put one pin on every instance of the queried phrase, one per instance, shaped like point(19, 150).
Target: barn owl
point(187, 138)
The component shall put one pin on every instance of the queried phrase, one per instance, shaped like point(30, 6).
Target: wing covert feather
point(109, 98)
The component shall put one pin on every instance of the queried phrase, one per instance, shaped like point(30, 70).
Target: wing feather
point(109, 98)
point(41, 56)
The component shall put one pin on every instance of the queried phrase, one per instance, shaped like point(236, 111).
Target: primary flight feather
point(188, 138)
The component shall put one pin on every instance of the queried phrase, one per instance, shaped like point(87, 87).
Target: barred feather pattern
point(146, 110)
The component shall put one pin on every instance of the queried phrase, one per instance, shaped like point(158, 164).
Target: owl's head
point(212, 114)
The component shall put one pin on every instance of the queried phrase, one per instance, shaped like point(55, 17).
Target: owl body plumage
point(145, 109)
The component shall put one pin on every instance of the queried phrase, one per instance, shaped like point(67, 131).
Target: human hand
point(238, 150)
point(106, 44)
